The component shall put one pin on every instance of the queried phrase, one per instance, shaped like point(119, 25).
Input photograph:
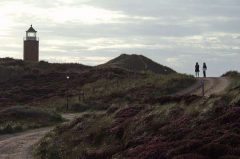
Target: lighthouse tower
point(31, 46)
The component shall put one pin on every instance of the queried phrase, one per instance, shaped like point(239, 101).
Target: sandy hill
point(138, 63)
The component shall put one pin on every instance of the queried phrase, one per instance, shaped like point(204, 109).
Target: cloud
point(173, 62)
point(83, 14)
point(88, 60)
point(174, 33)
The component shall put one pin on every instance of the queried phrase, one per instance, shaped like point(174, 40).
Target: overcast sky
point(175, 33)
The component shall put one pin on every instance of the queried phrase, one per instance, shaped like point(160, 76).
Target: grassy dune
point(20, 118)
point(156, 127)
point(117, 86)
point(119, 100)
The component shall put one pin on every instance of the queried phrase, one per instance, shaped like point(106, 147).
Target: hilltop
point(138, 63)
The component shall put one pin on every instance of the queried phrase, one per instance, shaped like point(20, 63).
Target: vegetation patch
point(20, 118)
point(153, 127)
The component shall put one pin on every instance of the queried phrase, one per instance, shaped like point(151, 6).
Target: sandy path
point(212, 85)
point(18, 146)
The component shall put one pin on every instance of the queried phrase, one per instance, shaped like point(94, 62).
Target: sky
point(175, 33)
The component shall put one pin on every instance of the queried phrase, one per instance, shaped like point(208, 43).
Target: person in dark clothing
point(197, 69)
point(204, 69)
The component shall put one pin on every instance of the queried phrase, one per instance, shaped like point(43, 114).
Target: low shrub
point(19, 118)
point(88, 106)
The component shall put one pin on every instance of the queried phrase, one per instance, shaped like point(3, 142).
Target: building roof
point(31, 29)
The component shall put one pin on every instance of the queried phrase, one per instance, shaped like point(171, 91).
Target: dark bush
point(187, 146)
point(214, 150)
point(229, 157)
point(190, 156)
point(112, 109)
point(89, 106)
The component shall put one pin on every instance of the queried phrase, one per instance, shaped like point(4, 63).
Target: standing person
point(197, 69)
point(204, 69)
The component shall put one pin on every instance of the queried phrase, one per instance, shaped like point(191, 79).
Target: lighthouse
point(31, 46)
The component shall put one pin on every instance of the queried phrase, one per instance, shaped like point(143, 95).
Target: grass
point(201, 128)
point(103, 92)
point(234, 89)
point(168, 84)
point(20, 118)
point(94, 126)
point(106, 134)
point(134, 121)
point(44, 85)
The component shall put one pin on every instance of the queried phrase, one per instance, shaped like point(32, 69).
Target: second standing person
point(204, 69)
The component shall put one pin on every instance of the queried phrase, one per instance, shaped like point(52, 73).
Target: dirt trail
point(18, 146)
point(212, 85)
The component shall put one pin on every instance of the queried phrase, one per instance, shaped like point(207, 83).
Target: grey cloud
point(173, 32)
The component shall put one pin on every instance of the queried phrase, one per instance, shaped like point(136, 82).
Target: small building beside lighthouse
point(31, 46)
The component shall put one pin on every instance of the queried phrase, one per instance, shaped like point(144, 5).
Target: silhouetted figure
point(197, 69)
point(204, 69)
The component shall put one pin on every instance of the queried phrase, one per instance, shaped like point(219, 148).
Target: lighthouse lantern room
point(31, 46)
